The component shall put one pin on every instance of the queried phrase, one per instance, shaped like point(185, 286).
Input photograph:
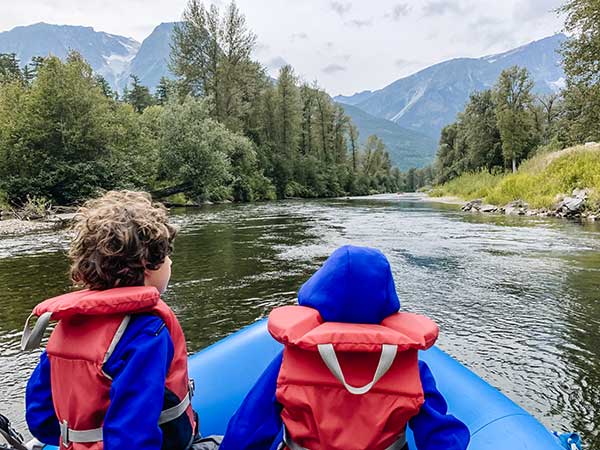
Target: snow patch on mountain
point(415, 98)
point(117, 66)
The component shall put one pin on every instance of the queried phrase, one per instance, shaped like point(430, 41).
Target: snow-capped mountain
point(431, 98)
point(114, 57)
point(108, 54)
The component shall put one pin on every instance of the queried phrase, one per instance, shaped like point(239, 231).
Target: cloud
point(341, 8)
point(360, 23)
point(333, 68)
point(276, 63)
point(400, 10)
point(261, 48)
point(298, 36)
point(535, 9)
point(403, 63)
point(441, 8)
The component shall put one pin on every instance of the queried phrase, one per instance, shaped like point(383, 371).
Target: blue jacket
point(354, 285)
point(138, 367)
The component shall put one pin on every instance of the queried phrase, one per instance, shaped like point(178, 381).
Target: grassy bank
point(540, 181)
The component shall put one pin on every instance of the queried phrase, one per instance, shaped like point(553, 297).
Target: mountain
point(431, 98)
point(152, 60)
point(407, 148)
point(114, 57)
point(108, 54)
point(354, 99)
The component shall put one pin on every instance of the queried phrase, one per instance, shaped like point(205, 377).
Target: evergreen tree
point(165, 89)
point(353, 135)
point(138, 95)
point(104, 86)
point(9, 68)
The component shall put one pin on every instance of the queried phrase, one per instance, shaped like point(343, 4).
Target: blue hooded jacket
point(354, 285)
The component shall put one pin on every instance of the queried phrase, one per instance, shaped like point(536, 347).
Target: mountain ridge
point(432, 97)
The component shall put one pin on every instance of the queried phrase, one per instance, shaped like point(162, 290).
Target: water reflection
point(516, 298)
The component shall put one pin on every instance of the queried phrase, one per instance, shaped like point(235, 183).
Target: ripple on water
point(516, 298)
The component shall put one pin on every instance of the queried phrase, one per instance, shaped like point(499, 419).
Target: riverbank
point(16, 227)
point(558, 184)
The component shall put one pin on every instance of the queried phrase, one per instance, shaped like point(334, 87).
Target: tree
point(581, 50)
point(194, 148)
point(353, 135)
point(59, 139)
point(165, 89)
point(479, 125)
point(582, 67)
point(512, 95)
point(104, 86)
point(9, 68)
point(211, 55)
point(138, 96)
point(287, 128)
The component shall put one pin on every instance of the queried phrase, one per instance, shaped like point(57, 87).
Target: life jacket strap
point(167, 415)
point(388, 354)
point(32, 337)
point(69, 436)
point(398, 444)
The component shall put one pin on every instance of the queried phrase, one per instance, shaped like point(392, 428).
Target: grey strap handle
point(32, 338)
point(388, 354)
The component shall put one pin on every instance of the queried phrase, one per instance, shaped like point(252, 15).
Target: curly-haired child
point(114, 373)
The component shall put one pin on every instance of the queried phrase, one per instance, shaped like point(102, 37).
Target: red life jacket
point(324, 361)
point(90, 324)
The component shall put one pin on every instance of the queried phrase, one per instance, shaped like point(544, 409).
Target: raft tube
point(225, 372)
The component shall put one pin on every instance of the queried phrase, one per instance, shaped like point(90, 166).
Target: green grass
point(539, 181)
point(468, 186)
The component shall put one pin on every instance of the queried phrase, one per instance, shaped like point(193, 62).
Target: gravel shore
point(18, 227)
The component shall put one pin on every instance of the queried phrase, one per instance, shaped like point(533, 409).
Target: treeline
point(222, 130)
point(505, 125)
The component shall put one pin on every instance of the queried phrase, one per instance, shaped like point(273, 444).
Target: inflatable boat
point(225, 372)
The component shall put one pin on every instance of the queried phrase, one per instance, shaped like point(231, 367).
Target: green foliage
point(137, 95)
point(34, 208)
point(512, 96)
point(194, 148)
point(221, 131)
point(538, 181)
point(9, 68)
point(581, 61)
point(469, 185)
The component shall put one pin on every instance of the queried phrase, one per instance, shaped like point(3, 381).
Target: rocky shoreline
point(574, 206)
point(15, 226)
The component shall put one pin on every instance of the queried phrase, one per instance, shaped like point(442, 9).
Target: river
point(516, 298)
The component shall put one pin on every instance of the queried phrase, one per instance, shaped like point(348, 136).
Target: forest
point(222, 130)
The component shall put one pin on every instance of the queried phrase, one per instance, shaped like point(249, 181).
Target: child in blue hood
point(354, 286)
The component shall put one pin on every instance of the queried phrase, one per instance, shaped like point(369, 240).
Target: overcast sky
point(346, 45)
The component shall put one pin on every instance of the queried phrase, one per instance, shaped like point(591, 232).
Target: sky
point(346, 46)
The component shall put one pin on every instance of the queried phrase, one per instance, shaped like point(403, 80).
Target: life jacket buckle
point(64, 433)
point(192, 387)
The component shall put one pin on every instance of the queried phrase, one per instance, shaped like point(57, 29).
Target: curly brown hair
point(117, 236)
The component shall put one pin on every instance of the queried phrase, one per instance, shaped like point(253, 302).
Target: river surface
point(517, 299)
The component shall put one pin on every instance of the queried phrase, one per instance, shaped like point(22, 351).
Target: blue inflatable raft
point(225, 371)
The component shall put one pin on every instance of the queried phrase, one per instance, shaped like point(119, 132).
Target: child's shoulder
point(145, 323)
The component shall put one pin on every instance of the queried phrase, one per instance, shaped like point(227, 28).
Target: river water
point(517, 299)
